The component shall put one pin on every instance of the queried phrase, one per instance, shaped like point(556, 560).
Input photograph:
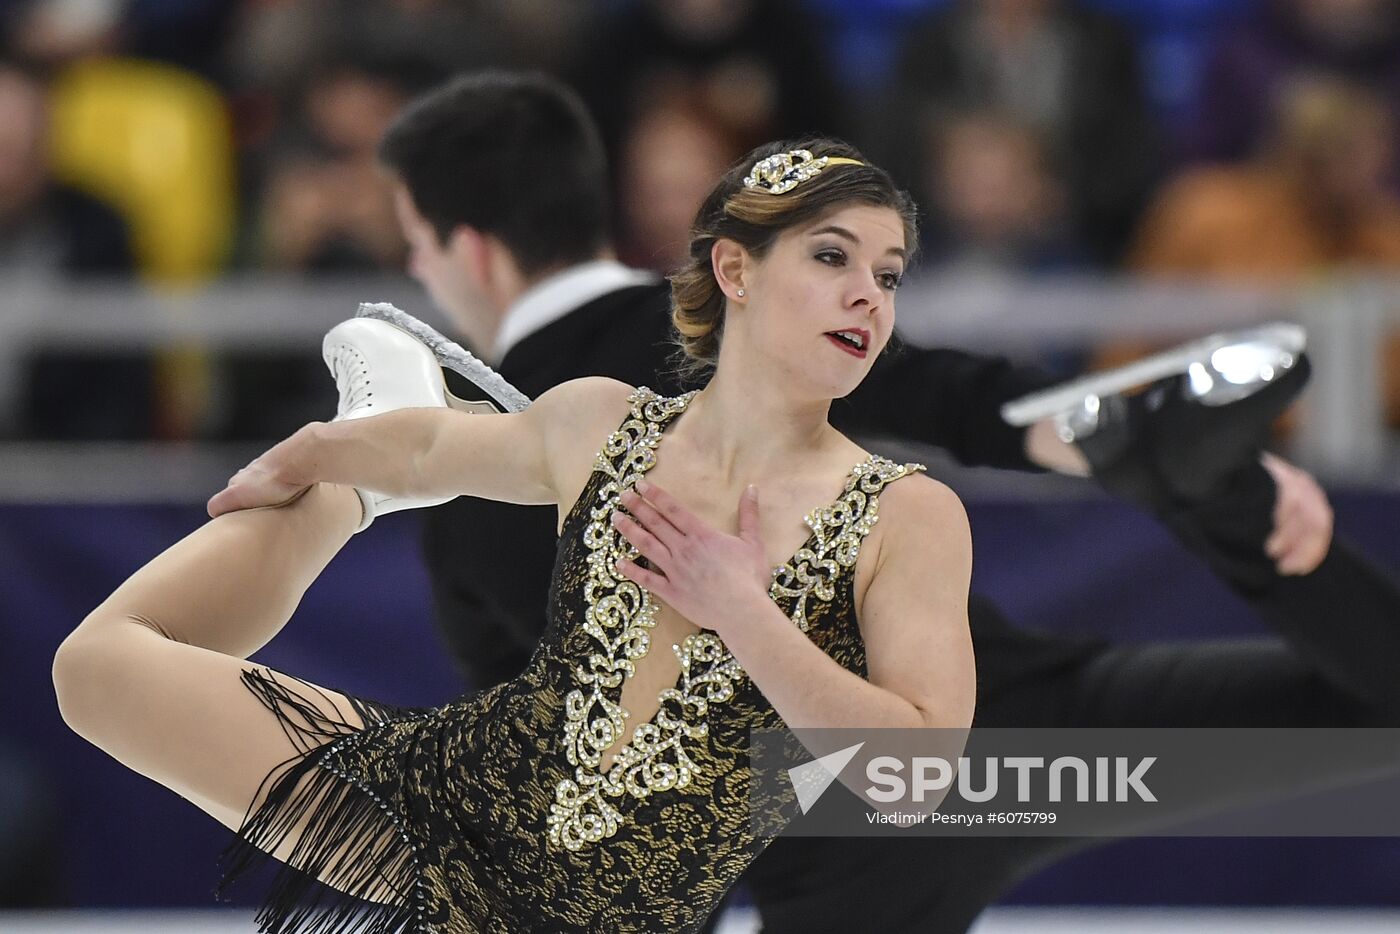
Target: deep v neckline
point(814, 530)
point(619, 617)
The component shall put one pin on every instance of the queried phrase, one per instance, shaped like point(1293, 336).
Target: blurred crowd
point(180, 142)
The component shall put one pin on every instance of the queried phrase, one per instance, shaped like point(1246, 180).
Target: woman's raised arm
point(530, 457)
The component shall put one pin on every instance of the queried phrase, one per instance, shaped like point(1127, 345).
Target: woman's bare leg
point(153, 675)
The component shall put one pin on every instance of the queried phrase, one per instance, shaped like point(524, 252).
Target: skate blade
point(453, 356)
point(1221, 368)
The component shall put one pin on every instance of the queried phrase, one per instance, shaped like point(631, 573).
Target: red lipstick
point(854, 341)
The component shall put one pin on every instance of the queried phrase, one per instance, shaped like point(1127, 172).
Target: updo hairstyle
point(753, 218)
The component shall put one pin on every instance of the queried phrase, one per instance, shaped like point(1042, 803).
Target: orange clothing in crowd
point(1251, 223)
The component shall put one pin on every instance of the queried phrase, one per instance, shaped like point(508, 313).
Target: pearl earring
point(740, 293)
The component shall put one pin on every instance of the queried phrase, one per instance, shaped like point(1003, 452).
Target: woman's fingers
point(651, 518)
point(220, 503)
point(646, 579)
point(252, 489)
point(749, 527)
point(692, 565)
point(685, 521)
point(232, 499)
point(647, 544)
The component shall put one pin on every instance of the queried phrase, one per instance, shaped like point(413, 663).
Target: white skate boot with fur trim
point(378, 368)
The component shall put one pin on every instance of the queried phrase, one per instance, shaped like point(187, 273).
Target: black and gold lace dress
point(493, 814)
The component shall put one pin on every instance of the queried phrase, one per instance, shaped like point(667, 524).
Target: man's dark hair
point(514, 155)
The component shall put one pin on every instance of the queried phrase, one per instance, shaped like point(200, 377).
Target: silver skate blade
point(1221, 368)
point(504, 396)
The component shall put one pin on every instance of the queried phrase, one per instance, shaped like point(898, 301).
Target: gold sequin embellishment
point(620, 616)
point(837, 531)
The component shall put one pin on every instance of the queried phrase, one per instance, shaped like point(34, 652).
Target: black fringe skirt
point(349, 864)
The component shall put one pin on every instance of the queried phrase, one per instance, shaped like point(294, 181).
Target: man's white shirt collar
point(554, 297)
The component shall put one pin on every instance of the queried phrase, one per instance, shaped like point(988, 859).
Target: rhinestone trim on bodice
point(620, 616)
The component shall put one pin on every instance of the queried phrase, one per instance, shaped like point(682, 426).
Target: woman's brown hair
point(753, 218)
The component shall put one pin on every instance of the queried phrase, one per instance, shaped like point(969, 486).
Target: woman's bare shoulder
point(924, 515)
point(580, 406)
point(575, 418)
point(593, 391)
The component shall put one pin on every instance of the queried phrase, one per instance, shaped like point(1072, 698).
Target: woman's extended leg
point(153, 676)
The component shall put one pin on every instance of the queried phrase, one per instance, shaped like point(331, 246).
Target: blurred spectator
point(47, 227)
point(281, 50)
point(1071, 74)
point(188, 33)
point(669, 161)
point(325, 207)
point(279, 44)
point(541, 34)
point(997, 211)
point(50, 230)
point(995, 205)
point(56, 32)
point(1312, 201)
point(758, 66)
point(1357, 40)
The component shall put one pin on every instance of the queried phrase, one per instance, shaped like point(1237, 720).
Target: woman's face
point(820, 305)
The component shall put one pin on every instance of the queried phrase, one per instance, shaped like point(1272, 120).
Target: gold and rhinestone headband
point(786, 170)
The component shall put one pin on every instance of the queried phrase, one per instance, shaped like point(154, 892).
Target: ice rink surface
point(998, 921)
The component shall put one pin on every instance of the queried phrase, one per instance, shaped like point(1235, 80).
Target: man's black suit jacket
point(491, 562)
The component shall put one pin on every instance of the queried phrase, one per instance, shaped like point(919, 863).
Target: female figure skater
point(606, 787)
